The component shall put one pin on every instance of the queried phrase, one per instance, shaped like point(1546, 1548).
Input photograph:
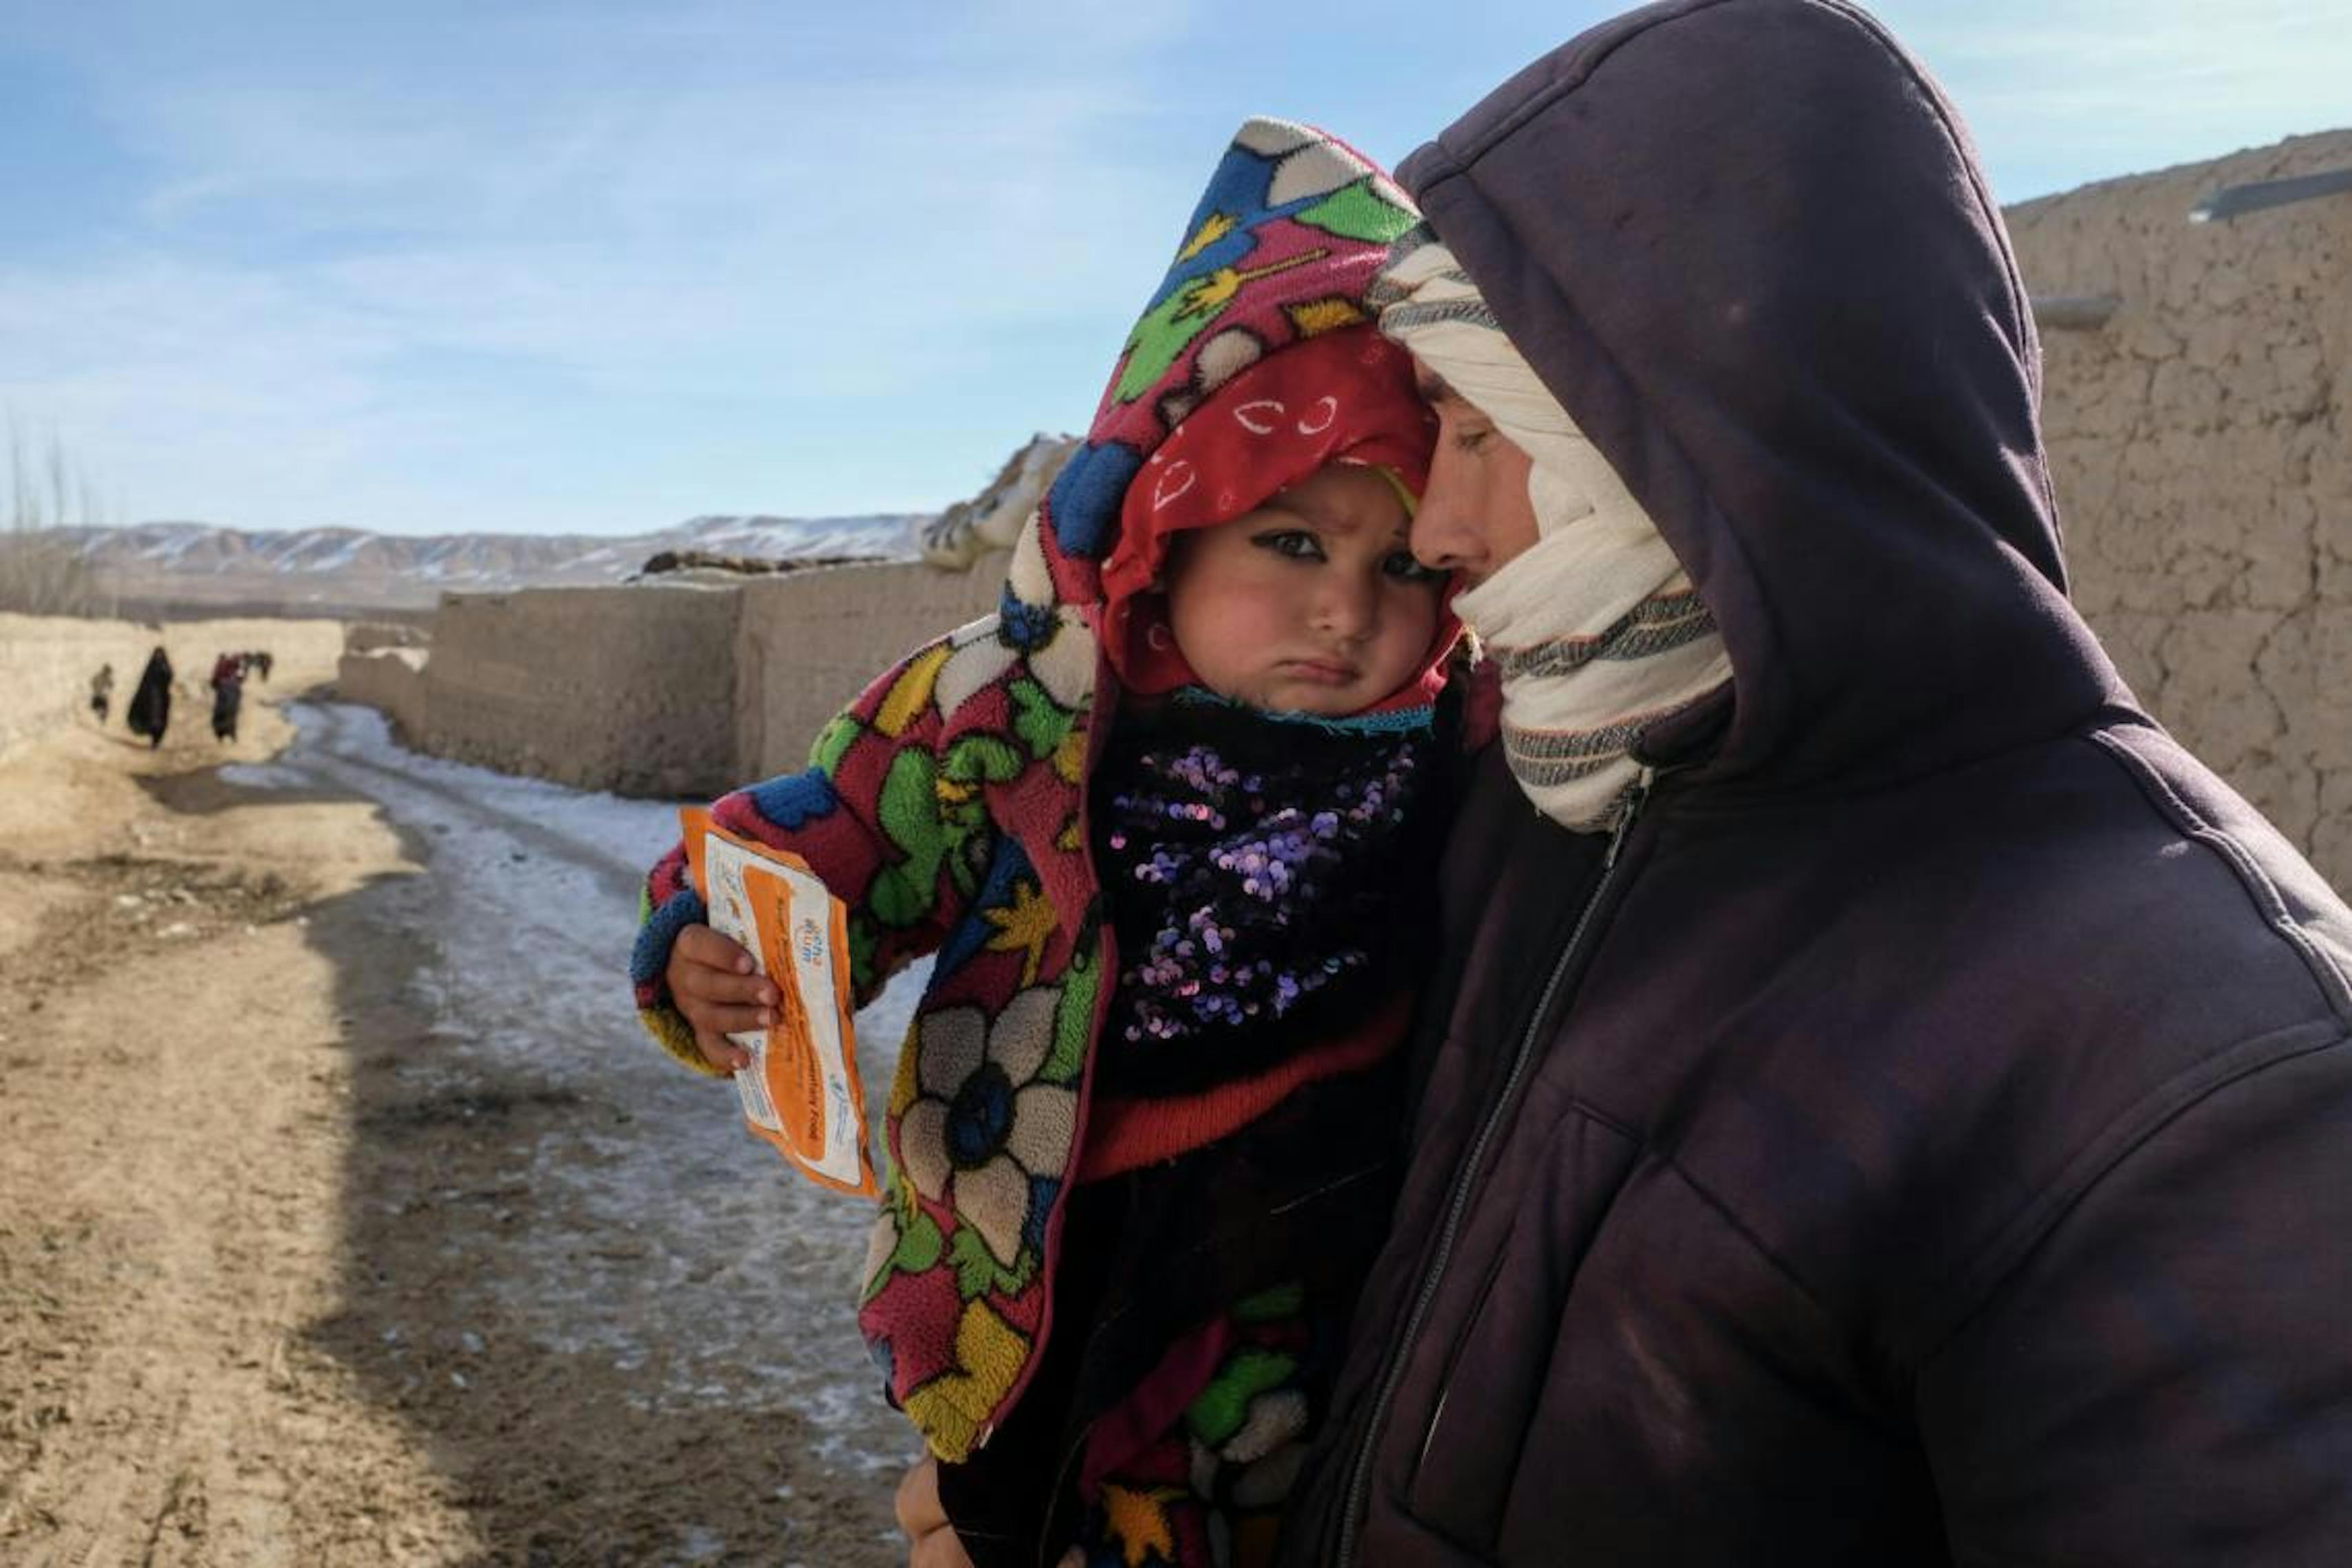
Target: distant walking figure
point(151, 705)
point(102, 691)
point(229, 694)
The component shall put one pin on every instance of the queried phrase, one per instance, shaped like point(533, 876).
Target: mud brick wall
point(613, 689)
point(805, 644)
point(2203, 466)
point(391, 679)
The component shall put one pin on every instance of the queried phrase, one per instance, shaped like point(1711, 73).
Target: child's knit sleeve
point(869, 816)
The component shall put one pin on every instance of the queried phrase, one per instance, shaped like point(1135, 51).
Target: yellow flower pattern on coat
point(1023, 926)
point(950, 1410)
point(1138, 1521)
point(910, 693)
point(1214, 227)
point(1070, 756)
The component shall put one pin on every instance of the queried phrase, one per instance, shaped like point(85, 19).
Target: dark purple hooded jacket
point(1925, 1135)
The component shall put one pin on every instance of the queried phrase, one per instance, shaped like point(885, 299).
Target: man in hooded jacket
point(1887, 1103)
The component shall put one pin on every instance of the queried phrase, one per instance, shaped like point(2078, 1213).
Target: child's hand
point(719, 992)
point(931, 1540)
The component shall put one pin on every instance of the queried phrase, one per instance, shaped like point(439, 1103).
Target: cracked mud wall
point(2198, 445)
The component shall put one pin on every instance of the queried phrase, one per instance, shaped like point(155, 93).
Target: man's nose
point(1442, 535)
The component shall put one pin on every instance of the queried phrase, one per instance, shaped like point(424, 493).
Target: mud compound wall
point(45, 663)
point(391, 679)
point(808, 643)
point(621, 688)
point(2198, 439)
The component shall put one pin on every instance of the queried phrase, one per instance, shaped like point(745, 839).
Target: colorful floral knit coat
point(945, 808)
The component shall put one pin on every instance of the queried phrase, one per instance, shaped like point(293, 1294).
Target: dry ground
point(254, 1219)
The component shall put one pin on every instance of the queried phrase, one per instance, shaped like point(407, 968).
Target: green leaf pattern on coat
point(903, 894)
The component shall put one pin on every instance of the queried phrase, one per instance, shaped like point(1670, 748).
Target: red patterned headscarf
point(1343, 397)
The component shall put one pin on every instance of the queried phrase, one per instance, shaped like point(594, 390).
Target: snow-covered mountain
point(342, 570)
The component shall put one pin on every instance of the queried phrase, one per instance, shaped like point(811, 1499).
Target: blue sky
point(602, 264)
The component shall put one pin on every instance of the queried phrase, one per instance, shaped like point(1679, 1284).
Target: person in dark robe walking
point(101, 692)
point(151, 705)
point(229, 694)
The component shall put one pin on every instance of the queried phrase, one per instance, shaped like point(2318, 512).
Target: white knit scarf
point(1596, 628)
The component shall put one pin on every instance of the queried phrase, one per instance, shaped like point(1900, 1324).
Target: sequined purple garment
point(1255, 865)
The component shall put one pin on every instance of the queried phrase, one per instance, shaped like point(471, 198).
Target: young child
point(1167, 821)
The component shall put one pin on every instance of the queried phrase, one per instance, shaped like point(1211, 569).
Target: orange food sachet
point(802, 1091)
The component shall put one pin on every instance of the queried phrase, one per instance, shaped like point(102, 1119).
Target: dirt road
point(345, 1218)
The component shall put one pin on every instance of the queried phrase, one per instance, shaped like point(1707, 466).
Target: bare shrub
point(43, 571)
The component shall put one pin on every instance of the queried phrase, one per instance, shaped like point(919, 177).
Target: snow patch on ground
point(737, 1276)
point(264, 776)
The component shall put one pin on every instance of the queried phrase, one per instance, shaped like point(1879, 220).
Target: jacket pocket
point(1515, 1272)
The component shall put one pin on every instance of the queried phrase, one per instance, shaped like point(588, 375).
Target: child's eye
point(1402, 565)
point(1295, 543)
point(1473, 439)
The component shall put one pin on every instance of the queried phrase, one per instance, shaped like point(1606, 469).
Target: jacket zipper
point(1053, 1497)
point(1359, 1474)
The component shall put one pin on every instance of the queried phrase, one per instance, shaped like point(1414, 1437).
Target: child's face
point(1312, 604)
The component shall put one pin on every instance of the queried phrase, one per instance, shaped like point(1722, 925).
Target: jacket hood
point(1259, 328)
point(1745, 243)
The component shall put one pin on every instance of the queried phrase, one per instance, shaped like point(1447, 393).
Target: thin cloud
point(734, 247)
point(2058, 94)
point(597, 263)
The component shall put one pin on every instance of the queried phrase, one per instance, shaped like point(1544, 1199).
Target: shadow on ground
point(559, 1446)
